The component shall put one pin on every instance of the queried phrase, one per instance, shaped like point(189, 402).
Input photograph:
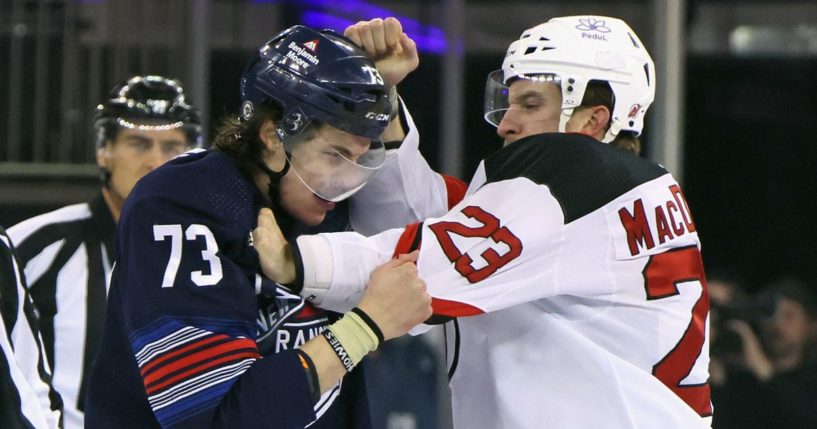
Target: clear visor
point(332, 163)
point(497, 93)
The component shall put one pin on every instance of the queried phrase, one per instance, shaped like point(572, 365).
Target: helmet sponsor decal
point(312, 45)
point(302, 56)
point(593, 28)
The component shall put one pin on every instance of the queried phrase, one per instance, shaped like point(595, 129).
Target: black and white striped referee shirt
point(67, 255)
point(26, 397)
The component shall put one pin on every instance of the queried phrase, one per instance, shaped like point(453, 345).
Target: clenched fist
point(396, 297)
point(394, 53)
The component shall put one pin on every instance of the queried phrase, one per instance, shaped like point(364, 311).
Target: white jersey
point(579, 267)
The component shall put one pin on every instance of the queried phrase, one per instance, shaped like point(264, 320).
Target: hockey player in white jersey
point(571, 269)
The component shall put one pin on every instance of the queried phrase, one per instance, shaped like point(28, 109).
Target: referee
point(68, 253)
point(27, 399)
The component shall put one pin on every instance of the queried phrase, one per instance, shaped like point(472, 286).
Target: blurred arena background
point(734, 117)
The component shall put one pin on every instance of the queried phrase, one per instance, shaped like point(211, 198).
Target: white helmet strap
point(612, 132)
point(563, 118)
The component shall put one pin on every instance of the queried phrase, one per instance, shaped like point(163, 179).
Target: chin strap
point(612, 132)
point(274, 176)
point(284, 220)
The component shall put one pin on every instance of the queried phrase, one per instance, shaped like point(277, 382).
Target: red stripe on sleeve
point(185, 349)
point(233, 357)
point(456, 189)
point(407, 239)
point(444, 307)
point(203, 355)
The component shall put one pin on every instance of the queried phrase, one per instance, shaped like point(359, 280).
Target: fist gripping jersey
point(574, 272)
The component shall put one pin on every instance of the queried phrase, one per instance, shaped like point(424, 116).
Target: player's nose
point(156, 157)
point(508, 128)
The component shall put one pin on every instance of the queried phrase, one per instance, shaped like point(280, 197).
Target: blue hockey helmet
point(147, 102)
point(317, 75)
point(321, 77)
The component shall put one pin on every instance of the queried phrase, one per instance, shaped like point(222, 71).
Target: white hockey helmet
point(571, 51)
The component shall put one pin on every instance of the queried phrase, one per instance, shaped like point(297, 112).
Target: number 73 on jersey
point(190, 235)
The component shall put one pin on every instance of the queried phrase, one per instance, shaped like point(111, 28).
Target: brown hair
point(599, 93)
point(239, 139)
point(627, 141)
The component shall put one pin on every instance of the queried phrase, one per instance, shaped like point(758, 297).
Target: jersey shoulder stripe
point(582, 173)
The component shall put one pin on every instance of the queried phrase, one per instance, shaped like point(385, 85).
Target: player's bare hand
point(274, 252)
point(392, 50)
point(396, 297)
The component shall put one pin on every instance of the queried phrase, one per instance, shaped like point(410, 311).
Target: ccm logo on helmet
point(377, 116)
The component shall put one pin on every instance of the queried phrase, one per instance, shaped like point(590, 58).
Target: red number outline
point(490, 229)
point(662, 274)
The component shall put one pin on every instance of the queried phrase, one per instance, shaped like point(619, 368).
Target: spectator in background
point(789, 337)
point(27, 399)
point(68, 253)
point(738, 366)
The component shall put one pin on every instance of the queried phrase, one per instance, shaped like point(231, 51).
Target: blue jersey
point(194, 337)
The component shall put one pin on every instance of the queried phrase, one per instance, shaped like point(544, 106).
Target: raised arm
point(406, 189)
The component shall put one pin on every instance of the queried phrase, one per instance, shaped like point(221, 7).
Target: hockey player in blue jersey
point(194, 336)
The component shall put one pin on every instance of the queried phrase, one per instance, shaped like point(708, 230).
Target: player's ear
point(595, 121)
point(268, 136)
point(103, 156)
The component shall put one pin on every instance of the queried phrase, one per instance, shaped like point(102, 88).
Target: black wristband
point(311, 376)
point(370, 323)
point(337, 347)
point(297, 285)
